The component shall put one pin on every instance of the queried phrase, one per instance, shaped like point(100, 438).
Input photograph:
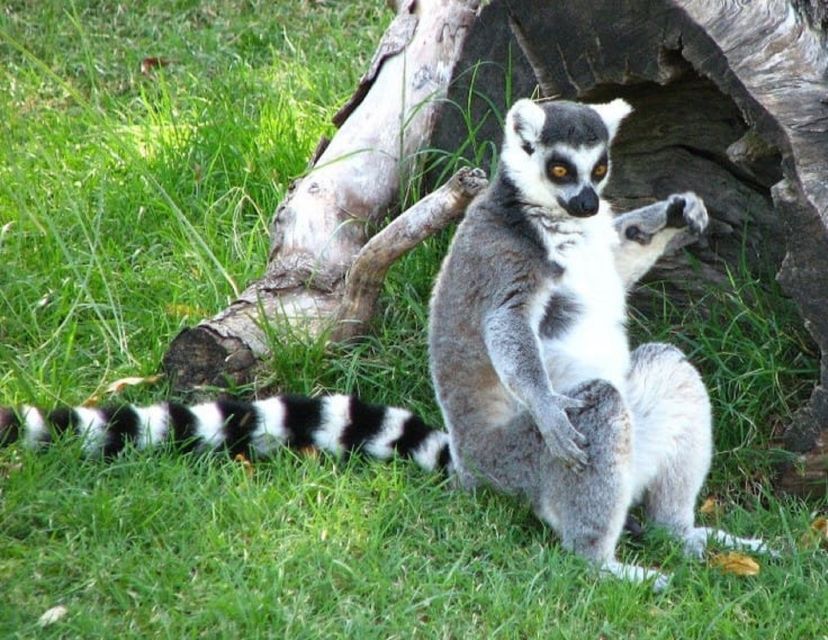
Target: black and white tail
point(337, 424)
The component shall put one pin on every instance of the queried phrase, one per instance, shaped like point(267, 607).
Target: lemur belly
point(592, 340)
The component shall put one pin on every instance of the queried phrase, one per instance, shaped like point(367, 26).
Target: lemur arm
point(514, 351)
point(646, 233)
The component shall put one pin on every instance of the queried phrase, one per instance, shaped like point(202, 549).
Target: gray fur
point(561, 311)
point(650, 231)
point(532, 406)
point(570, 123)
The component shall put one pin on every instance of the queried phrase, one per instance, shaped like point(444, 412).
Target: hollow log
point(731, 101)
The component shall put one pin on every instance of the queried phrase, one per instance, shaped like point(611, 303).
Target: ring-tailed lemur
point(529, 355)
point(529, 351)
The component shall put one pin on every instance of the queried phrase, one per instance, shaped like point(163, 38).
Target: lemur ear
point(612, 113)
point(524, 123)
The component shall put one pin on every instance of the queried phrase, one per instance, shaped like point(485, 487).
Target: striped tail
point(337, 424)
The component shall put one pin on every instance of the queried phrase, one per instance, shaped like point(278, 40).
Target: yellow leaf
point(817, 533)
point(119, 385)
point(132, 381)
point(709, 506)
point(736, 563)
point(92, 401)
point(245, 463)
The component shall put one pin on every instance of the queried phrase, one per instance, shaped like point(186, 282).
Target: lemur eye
point(600, 171)
point(558, 171)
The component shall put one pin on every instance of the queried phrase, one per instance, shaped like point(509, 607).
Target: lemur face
point(557, 154)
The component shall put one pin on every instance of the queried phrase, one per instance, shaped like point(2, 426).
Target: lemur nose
point(585, 204)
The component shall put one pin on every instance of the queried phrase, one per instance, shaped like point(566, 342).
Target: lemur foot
point(687, 210)
point(697, 539)
point(634, 573)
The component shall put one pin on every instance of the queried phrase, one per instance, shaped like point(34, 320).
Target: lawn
point(133, 204)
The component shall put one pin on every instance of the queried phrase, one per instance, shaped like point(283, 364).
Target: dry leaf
point(709, 506)
point(736, 563)
point(52, 615)
point(119, 385)
point(309, 452)
point(4, 230)
point(245, 463)
point(817, 533)
point(153, 62)
point(92, 401)
point(132, 381)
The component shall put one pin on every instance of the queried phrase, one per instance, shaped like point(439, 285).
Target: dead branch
point(424, 219)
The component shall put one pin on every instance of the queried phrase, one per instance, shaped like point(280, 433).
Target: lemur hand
point(687, 210)
point(563, 440)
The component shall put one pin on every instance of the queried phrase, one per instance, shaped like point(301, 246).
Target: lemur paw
point(687, 210)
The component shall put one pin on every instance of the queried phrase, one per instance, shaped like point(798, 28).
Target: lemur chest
point(581, 317)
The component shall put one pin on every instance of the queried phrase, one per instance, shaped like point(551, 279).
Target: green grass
point(131, 206)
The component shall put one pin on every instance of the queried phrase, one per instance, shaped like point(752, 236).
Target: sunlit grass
point(132, 205)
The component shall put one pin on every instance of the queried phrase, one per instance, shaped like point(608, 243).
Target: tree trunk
point(731, 101)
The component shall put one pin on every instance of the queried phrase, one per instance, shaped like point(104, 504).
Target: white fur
point(596, 346)
point(209, 425)
point(662, 430)
point(270, 433)
point(612, 113)
point(633, 573)
point(528, 172)
point(392, 428)
point(635, 260)
point(526, 116)
point(92, 427)
point(697, 539)
point(336, 415)
point(528, 175)
point(524, 123)
point(427, 453)
point(35, 426)
point(154, 424)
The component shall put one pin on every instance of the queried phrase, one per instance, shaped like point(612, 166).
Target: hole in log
point(684, 136)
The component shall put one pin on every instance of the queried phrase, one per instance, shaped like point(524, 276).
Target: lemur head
point(557, 153)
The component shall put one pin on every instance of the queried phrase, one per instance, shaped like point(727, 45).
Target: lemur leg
point(672, 450)
point(647, 233)
point(586, 508)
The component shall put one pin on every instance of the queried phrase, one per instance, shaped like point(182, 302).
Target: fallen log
point(329, 214)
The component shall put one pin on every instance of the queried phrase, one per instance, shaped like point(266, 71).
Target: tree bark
point(430, 215)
